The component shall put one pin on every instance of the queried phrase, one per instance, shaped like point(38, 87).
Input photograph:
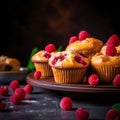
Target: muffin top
point(88, 45)
point(64, 59)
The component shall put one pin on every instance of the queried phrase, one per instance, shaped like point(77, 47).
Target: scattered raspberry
point(37, 74)
point(50, 48)
point(113, 114)
point(20, 92)
point(82, 114)
point(15, 99)
point(14, 84)
point(28, 88)
point(93, 80)
point(72, 39)
point(66, 103)
point(4, 90)
point(111, 50)
point(83, 35)
point(113, 39)
point(116, 80)
point(2, 105)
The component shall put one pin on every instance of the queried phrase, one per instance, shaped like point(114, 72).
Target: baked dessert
point(68, 67)
point(85, 44)
point(9, 64)
point(40, 60)
point(106, 65)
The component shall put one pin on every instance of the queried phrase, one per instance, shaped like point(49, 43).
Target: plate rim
point(49, 83)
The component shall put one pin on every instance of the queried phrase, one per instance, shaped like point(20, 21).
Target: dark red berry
point(83, 35)
point(2, 105)
point(50, 48)
point(93, 79)
point(111, 50)
point(80, 59)
point(82, 114)
point(4, 90)
point(113, 114)
point(28, 88)
point(66, 103)
point(37, 74)
point(114, 40)
point(14, 84)
point(20, 92)
point(116, 80)
point(73, 39)
point(15, 99)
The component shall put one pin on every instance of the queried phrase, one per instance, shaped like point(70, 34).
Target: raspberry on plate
point(82, 114)
point(66, 103)
point(4, 90)
point(2, 105)
point(116, 80)
point(14, 84)
point(28, 88)
point(20, 92)
point(93, 79)
point(37, 74)
point(83, 35)
point(15, 99)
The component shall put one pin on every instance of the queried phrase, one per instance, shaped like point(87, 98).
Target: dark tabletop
point(43, 104)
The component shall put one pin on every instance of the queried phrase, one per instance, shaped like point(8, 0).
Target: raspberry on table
point(83, 35)
point(66, 103)
point(93, 79)
point(111, 50)
point(28, 88)
point(82, 114)
point(14, 84)
point(4, 90)
point(37, 74)
point(116, 80)
point(15, 99)
point(20, 92)
point(113, 39)
point(50, 48)
point(113, 114)
point(73, 39)
point(2, 105)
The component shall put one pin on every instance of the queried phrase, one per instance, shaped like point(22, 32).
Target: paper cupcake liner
point(44, 68)
point(65, 76)
point(106, 73)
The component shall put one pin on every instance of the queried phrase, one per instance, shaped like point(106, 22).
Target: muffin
point(40, 60)
point(85, 44)
point(9, 64)
point(68, 67)
point(106, 65)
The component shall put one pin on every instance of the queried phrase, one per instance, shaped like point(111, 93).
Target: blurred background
point(36, 23)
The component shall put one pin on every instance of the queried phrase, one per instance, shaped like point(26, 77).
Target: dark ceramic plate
point(49, 83)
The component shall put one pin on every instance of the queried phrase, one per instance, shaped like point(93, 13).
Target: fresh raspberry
point(15, 99)
point(113, 39)
point(116, 80)
point(82, 114)
point(113, 114)
point(83, 35)
point(14, 84)
point(111, 50)
point(73, 39)
point(93, 79)
point(66, 103)
point(37, 74)
point(4, 90)
point(2, 105)
point(28, 88)
point(50, 48)
point(20, 92)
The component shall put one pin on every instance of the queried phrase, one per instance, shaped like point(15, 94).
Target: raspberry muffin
point(68, 67)
point(84, 44)
point(40, 60)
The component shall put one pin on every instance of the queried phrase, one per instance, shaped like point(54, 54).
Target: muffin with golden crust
point(68, 67)
point(9, 64)
point(40, 60)
point(87, 47)
point(106, 65)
